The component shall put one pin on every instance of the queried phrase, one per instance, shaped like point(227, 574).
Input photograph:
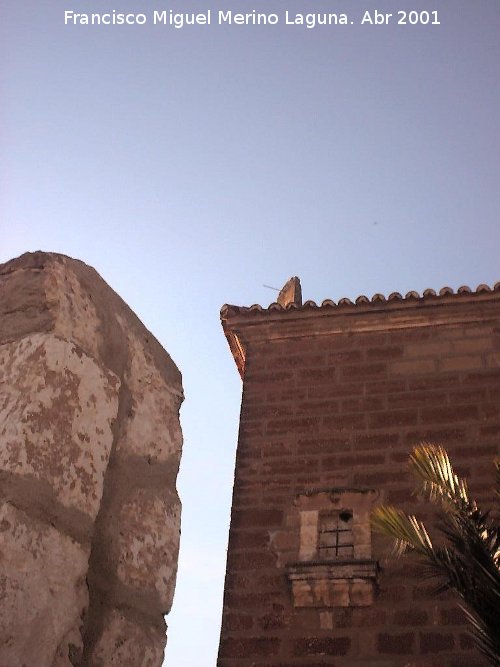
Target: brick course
point(331, 401)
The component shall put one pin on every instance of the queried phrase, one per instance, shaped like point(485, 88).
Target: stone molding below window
point(333, 584)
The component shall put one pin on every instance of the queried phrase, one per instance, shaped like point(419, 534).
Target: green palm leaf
point(431, 464)
point(469, 562)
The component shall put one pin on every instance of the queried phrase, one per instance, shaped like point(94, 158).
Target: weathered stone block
point(152, 427)
point(148, 544)
point(42, 589)
point(362, 593)
point(56, 416)
point(90, 444)
point(126, 641)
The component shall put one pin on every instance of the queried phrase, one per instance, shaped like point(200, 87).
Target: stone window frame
point(318, 581)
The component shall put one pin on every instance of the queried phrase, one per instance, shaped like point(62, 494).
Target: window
point(335, 567)
point(335, 537)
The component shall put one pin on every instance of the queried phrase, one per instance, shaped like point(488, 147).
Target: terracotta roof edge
point(428, 295)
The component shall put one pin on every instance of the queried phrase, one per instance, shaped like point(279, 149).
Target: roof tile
point(463, 290)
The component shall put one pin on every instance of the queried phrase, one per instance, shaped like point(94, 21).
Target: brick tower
point(334, 398)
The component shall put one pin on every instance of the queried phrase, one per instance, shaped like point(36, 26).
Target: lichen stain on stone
point(126, 643)
point(36, 557)
point(49, 433)
point(153, 424)
point(77, 317)
point(151, 534)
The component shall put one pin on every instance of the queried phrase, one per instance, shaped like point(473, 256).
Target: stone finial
point(291, 292)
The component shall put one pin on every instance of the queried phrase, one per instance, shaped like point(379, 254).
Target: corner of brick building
point(334, 398)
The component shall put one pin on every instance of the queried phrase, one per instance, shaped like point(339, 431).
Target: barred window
point(335, 537)
point(335, 567)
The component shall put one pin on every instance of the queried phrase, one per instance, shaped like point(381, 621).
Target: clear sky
point(192, 166)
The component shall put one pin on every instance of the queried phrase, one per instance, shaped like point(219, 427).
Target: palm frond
point(431, 464)
point(469, 561)
point(485, 637)
point(407, 530)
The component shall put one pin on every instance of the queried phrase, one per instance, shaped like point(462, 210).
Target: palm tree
point(469, 560)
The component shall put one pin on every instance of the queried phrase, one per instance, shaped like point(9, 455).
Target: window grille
point(335, 539)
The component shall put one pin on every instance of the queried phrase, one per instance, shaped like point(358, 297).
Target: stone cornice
point(245, 326)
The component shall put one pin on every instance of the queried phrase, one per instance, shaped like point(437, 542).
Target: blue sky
point(191, 167)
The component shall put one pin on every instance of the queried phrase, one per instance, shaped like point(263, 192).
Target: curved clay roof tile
point(362, 299)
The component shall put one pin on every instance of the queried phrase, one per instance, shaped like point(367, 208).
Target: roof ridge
point(427, 295)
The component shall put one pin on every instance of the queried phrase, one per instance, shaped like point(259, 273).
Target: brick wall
point(336, 398)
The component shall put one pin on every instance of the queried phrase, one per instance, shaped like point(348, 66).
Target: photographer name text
point(227, 17)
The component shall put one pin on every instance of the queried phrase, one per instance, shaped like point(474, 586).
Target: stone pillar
point(90, 445)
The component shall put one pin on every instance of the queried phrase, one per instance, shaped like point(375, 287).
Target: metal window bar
point(336, 537)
